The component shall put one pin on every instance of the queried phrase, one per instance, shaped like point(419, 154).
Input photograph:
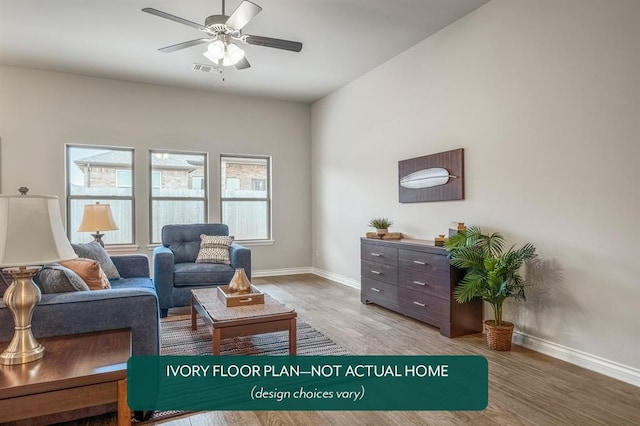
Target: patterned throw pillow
point(58, 279)
point(96, 252)
point(214, 249)
point(90, 271)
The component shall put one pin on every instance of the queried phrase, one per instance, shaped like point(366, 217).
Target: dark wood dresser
point(415, 278)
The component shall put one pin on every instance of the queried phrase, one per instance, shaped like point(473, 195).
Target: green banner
point(307, 383)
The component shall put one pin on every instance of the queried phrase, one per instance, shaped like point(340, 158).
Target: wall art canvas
point(435, 177)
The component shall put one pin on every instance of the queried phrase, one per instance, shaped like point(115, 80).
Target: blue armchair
point(175, 272)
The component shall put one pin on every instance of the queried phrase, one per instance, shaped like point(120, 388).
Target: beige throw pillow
point(214, 249)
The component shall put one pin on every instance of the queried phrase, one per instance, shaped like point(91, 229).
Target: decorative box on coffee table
point(230, 299)
point(415, 278)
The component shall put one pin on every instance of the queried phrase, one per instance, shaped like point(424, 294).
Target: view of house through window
point(245, 196)
point(178, 190)
point(100, 174)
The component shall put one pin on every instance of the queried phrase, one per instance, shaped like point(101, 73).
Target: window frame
point(267, 199)
point(153, 198)
point(69, 197)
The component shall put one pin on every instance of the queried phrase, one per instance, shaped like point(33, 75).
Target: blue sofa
point(175, 272)
point(130, 303)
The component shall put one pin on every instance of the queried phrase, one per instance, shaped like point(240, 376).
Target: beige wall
point(544, 96)
point(41, 111)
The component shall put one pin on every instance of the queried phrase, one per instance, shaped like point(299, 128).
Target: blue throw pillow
point(58, 279)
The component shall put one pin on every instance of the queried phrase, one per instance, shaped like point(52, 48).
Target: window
point(197, 182)
point(123, 178)
point(100, 174)
point(258, 184)
point(233, 184)
point(156, 180)
point(178, 190)
point(245, 200)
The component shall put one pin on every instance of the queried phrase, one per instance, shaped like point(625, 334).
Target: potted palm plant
point(492, 274)
point(382, 225)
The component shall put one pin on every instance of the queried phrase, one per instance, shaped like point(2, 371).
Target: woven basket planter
point(499, 337)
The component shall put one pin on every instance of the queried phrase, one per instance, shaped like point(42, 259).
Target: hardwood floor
point(525, 387)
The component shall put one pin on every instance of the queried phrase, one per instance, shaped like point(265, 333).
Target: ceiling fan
point(222, 31)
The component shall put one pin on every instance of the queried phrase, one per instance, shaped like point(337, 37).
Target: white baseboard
point(337, 278)
point(283, 271)
point(307, 270)
point(591, 362)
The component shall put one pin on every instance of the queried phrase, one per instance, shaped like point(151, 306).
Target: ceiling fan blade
point(174, 18)
point(242, 15)
point(243, 64)
point(293, 46)
point(184, 45)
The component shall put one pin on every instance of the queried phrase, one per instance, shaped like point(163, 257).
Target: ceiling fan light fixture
point(210, 57)
point(221, 30)
point(217, 49)
point(233, 55)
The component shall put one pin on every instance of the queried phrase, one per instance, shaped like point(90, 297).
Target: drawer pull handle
point(375, 289)
point(419, 263)
point(376, 254)
point(376, 272)
point(419, 304)
point(419, 283)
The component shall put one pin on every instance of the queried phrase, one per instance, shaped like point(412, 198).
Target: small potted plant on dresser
point(382, 226)
point(492, 274)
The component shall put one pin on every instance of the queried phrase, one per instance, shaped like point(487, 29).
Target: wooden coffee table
point(248, 320)
point(80, 375)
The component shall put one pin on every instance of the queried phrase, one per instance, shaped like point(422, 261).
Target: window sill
point(115, 249)
point(151, 247)
point(256, 242)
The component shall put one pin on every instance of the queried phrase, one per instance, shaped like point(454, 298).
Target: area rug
point(177, 338)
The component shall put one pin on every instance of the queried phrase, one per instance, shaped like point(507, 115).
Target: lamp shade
point(233, 55)
point(217, 49)
point(97, 217)
point(31, 231)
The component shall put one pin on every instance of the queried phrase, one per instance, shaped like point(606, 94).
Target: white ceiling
point(342, 39)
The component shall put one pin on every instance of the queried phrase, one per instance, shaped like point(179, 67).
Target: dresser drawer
point(379, 290)
point(436, 283)
point(379, 254)
point(428, 263)
point(415, 278)
point(428, 308)
point(379, 272)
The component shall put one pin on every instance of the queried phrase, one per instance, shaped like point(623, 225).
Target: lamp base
point(97, 237)
point(14, 356)
point(21, 298)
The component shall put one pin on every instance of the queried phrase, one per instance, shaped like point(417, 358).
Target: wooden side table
point(77, 372)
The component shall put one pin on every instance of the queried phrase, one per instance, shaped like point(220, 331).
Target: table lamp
point(97, 217)
point(31, 235)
